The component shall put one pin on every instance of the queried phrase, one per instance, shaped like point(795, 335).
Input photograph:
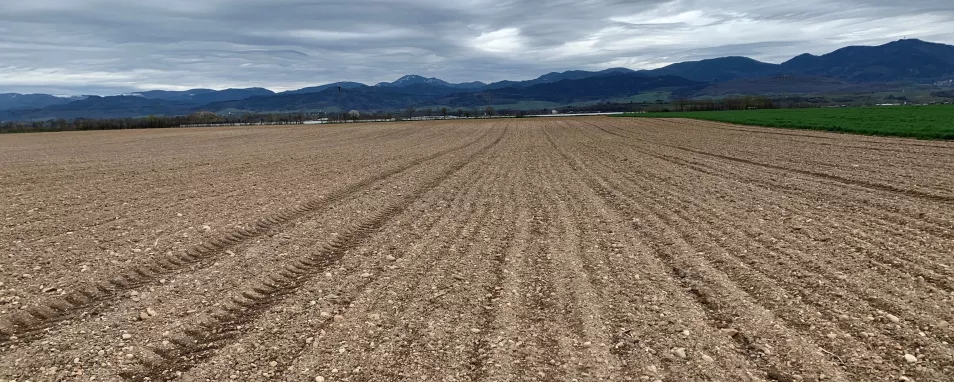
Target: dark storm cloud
point(109, 46)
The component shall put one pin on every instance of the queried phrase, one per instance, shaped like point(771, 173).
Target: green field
point(923, 122)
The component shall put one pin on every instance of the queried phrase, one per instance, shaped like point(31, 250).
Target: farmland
point(925, 122)
point(592, 249)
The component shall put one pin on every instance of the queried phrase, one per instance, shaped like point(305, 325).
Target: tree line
point(154, 122)
point(208, 118)
point(731, 103)
point(728, 103)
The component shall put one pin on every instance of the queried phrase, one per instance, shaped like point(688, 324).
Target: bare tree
point(410, 112)
point(682, 103)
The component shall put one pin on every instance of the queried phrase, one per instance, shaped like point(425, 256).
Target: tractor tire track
point(463, 219)
point(193, 345)
point(287, 357)
point(31, 324)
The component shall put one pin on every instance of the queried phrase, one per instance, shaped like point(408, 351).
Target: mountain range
point(849, 69)
point(26, 101)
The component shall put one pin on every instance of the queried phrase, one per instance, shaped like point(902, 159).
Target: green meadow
point(923, 122)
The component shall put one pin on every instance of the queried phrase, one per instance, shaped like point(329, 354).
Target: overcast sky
point(113, 46)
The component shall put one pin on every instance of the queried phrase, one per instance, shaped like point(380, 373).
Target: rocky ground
point(583, 249)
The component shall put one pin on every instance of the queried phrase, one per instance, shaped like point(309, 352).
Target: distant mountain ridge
point(204, 95)
point(559, 76)
point(422, 94)
point(903, 60)
point(103, 107)
point(319, 88)
point(9, 101)
point(413, 79)
point(717, 69)
point(853, 68)
point(598, 87)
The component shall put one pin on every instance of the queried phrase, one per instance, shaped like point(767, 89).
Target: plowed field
point(587, 249)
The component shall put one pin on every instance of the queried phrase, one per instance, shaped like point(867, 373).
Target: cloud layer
point(113, 46)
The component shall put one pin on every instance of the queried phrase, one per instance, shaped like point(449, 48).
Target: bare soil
point(586, 249)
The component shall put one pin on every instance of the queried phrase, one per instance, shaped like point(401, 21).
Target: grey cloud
point(111, 46)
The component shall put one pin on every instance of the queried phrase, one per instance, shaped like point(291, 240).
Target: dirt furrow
point(715, 244)
point(199, 196)
point(895, 219)
point(807, 209)
point(928, 195)
point(857, 164)
point(379, 330)
point(936, 275)
point(601, 315)
point(886, 223)
point(304, 334)
point(38, 317)
point(717, 325)
point(577, 283)
point(835, 174)
point(264, 255)
point(539, 314)
point(194, 344)
point(940, 354)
